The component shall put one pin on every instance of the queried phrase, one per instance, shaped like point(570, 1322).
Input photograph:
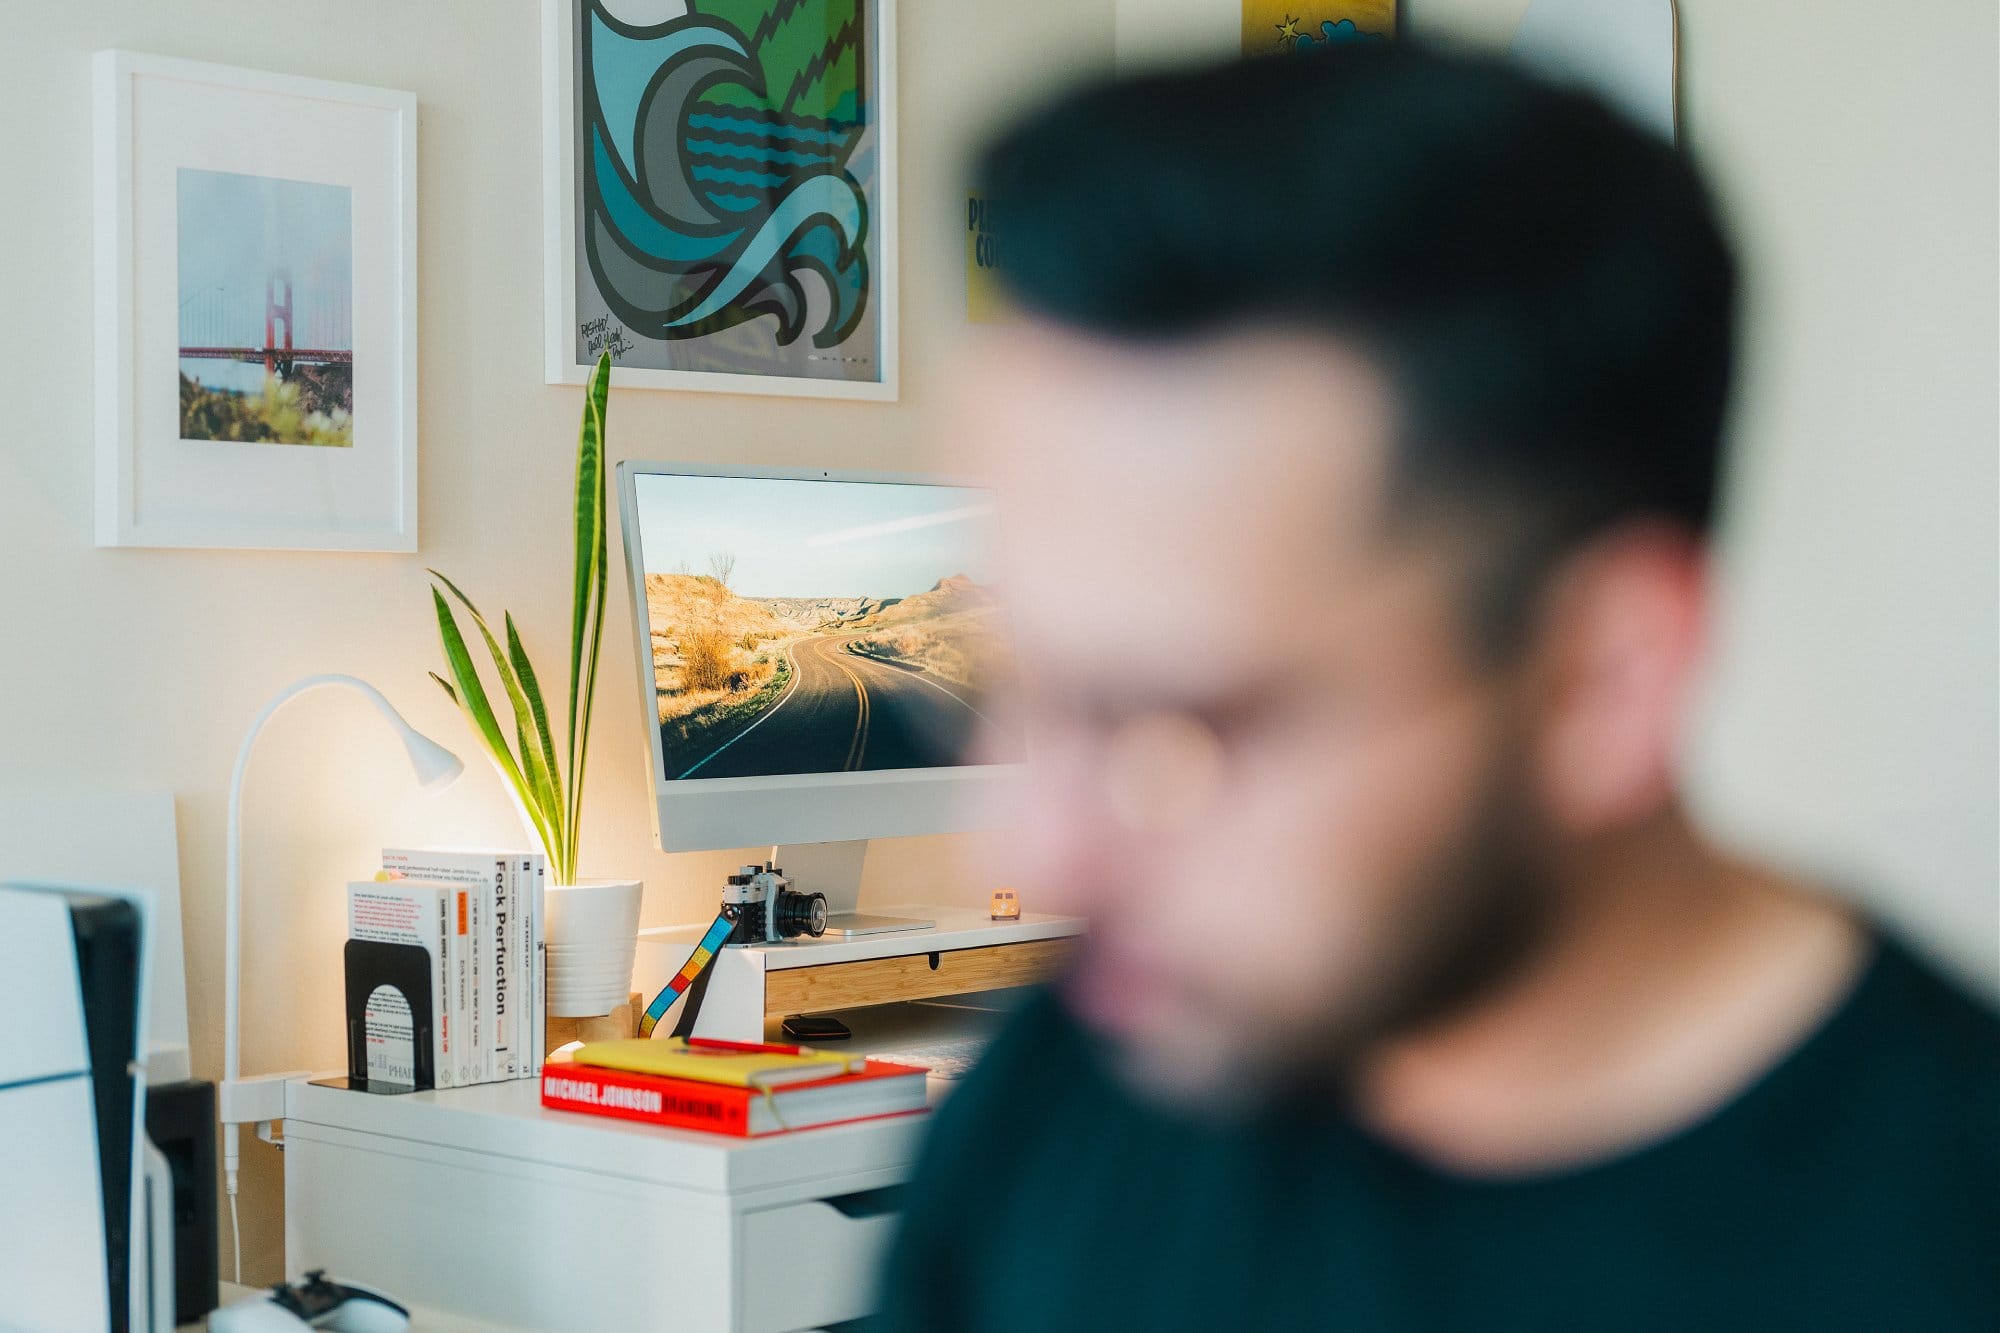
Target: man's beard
point(1470, 919)
point(1478, 913)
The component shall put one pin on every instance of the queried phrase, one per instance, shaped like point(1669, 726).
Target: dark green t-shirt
point(1856, 1185)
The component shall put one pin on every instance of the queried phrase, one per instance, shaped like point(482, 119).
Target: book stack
point(445, 970)
point(729, 1087)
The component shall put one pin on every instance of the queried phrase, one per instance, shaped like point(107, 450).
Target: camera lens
point(800, 914)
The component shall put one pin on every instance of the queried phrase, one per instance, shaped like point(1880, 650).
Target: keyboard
point(945, 1059)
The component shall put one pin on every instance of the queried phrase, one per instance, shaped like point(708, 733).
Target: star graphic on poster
point(1288, 31)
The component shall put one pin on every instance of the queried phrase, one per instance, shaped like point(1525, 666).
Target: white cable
point(235, 1235)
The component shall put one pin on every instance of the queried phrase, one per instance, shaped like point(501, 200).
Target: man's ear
point(1616, 651)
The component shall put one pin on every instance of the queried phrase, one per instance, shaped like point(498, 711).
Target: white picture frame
point(561, 205)
point(271, 171)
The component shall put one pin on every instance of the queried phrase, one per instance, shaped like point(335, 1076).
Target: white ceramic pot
point(592, 930)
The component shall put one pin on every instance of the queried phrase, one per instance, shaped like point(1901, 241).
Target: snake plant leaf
point(472, 696)
point(532, 688)
point(538, 745)
point(587, 607)
point(541, 782)
point(535, 776)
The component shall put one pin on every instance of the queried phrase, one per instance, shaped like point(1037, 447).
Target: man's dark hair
point(1545, 284)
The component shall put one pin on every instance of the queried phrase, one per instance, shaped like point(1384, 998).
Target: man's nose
point(1159, 771)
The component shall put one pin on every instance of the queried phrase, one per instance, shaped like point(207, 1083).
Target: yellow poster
point(1274, 27)
point(984, 301)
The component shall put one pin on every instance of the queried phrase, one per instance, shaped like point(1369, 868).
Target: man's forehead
point(1273, 421)
point(1214, 484)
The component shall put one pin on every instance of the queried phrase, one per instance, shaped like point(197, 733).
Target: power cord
point(235, 1232)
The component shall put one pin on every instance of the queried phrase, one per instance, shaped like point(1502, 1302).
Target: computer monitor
point(820, 653)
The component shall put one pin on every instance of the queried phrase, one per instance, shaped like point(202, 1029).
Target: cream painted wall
point(1852, 720)
point(131, 669)
point(1854, 724)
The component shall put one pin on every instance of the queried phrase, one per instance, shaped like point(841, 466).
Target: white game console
point(74, 970)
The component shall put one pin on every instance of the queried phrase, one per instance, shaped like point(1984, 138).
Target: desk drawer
point(806, 1265)
point(917, 976)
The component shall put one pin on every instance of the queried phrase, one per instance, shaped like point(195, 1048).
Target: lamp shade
point(436, 767)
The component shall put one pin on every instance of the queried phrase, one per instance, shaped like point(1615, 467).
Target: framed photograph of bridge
point(255, 309)
point(720, 194)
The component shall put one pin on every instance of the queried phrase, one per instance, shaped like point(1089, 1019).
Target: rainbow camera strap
point(697, 963)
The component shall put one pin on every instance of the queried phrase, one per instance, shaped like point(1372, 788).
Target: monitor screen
point(820, 626)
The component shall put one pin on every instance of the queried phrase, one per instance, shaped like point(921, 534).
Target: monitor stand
point(834, 869)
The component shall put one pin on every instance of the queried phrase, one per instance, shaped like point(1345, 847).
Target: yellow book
point(738, 1064)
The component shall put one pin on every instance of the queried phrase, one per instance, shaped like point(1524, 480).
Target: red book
point(880, 1089)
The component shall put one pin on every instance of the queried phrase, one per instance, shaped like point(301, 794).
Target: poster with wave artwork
point(721, 210)
point(1283, 27)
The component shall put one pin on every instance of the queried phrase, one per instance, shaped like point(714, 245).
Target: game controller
point(342, 1307)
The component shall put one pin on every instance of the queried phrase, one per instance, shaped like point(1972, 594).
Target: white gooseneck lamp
point(261, 1101)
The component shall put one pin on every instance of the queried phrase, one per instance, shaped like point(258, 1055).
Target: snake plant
point(533, 770)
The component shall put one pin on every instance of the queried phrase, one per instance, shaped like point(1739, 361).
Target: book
point(504, 952)
point(414, 912)
point(465, 982)
point(487, 878)
point(492, 963)
point(479, 1040)
point(737, 1064)
point(876, 1090)
point(534, 1013)
point(511, 983)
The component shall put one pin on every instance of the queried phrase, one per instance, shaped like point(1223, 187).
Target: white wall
point(1857, 701)
point(139, 669)
point(1852, 724)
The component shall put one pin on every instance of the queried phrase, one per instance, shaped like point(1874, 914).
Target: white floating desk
point(481, 1205)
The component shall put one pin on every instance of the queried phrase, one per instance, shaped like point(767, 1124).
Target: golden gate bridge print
point(216, 326)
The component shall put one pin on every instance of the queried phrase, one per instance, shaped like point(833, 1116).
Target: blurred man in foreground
point(1360, 439)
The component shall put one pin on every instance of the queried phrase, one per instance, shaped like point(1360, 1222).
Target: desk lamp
point(262, 1101)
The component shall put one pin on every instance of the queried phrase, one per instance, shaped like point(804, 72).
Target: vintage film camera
point(760, 902)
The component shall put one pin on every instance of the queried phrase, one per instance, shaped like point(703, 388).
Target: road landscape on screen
point(821, 626)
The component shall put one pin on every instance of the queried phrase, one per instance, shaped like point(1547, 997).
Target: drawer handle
point(879, 1202)
point(934, 960)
